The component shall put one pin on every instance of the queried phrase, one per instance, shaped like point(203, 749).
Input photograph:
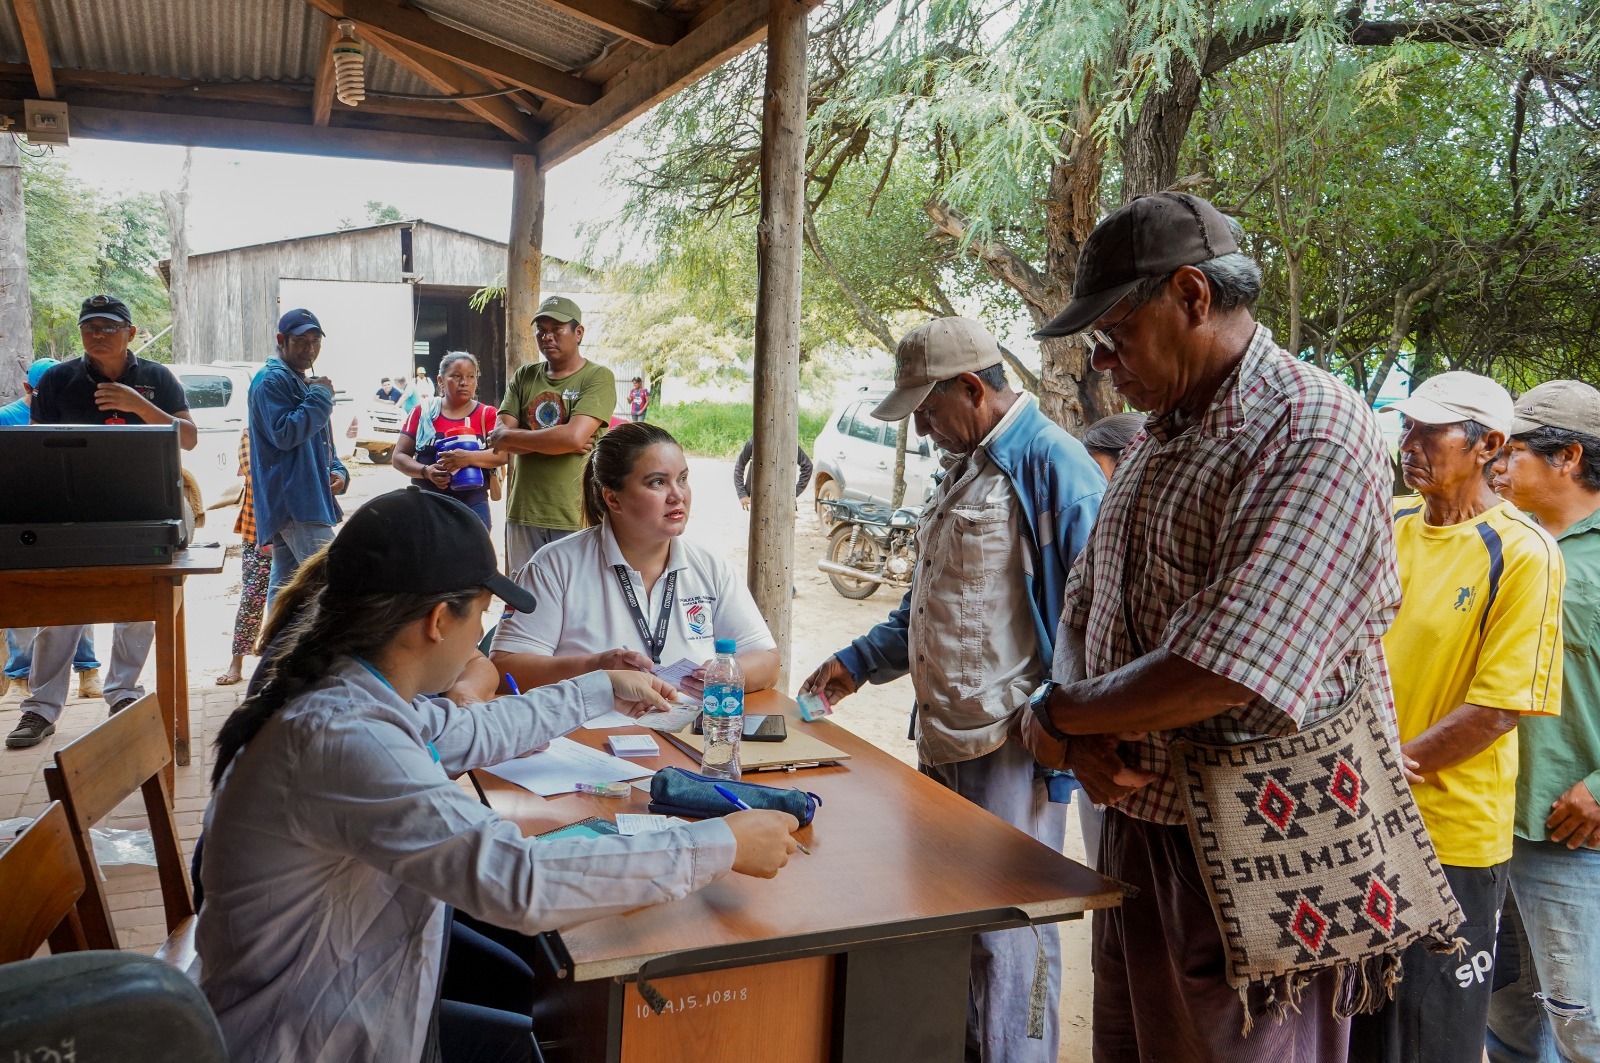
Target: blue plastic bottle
point(723, 713)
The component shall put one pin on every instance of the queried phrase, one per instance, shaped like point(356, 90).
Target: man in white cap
point(1475, 647)
point(976, 631)
point(1551, 470)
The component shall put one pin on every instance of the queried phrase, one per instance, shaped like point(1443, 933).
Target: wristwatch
point(1039, 702)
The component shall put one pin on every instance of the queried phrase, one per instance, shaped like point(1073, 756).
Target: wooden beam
point(412, 27)
point(626, 19)
point(524, 261)
point(737, 26)
point(451, 79)
point(322, 95)
point(777, 361)
point(38, 49)
point(108, 120)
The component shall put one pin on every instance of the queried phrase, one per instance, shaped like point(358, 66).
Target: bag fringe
point(1364, 986)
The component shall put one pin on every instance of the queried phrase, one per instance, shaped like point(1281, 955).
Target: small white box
point(634, 746)
point(45, 121)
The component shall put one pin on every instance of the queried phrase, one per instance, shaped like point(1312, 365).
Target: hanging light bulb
point(349, 66)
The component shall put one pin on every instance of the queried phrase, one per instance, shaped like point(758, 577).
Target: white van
point(854, 454)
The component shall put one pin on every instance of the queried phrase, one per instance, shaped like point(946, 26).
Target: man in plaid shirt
point(1237, 585)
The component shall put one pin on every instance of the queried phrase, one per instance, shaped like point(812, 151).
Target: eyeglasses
point(1102, 337)
point(102, 330)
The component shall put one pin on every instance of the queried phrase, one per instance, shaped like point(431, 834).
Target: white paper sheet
point(671, 722)
point(609, 721)
point(559, 769)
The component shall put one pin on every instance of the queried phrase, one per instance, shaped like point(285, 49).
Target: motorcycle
point(870, 545)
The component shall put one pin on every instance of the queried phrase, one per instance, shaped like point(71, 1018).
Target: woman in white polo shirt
point(631, 591)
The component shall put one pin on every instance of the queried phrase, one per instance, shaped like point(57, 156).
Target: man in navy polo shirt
point(108, 385)
point(294, 468)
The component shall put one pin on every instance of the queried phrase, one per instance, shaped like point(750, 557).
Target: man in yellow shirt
point(1476, 644)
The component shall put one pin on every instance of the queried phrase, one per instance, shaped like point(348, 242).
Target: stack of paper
point(634, 746)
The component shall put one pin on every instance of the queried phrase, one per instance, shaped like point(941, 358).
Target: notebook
point(798, 750)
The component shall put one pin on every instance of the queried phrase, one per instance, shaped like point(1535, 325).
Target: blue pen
point(733, 798)
point(512, 683)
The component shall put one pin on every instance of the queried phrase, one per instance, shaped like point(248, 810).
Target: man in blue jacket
point(975, 632)
point(294, 468)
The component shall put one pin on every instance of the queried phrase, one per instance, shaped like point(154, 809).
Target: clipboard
point(799, 750)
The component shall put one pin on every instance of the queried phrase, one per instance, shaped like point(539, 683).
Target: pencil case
point(676, 792)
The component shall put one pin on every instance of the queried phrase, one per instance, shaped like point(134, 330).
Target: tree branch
point(1005, 264)
point(1467, 29)
point(871, 320)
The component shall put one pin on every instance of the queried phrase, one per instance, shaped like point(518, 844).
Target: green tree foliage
point(378, 213)
point(1423, 177)
point(80, 243)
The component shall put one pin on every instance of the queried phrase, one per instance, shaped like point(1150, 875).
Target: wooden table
point(115, 594)
point(858, 953)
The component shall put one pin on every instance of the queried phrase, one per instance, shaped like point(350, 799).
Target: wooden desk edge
point(1054, 911)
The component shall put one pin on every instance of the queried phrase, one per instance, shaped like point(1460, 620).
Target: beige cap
point(1569, 404)
point(944, 348)
point(1453, 397)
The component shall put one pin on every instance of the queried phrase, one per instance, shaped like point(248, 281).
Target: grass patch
point(719, 429)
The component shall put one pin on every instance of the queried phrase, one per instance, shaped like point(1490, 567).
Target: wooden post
point(524, 261)
point(176, 206)
point(777, 364)
point(16, 305)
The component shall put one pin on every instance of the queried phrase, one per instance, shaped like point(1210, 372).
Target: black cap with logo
point(1150, 237)
point(106, 306)
point(420, 542)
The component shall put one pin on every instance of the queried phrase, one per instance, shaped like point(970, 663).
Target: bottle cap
point(727, 646)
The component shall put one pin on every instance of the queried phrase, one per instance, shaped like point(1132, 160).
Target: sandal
point(228, 679)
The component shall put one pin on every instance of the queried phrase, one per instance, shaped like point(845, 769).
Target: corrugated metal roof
point(528, 27)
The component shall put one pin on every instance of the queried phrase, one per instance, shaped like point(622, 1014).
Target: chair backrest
point(105, 1007)
point(41, 881)
point(91, 777)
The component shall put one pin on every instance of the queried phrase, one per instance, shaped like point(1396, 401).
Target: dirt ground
point(823, 622)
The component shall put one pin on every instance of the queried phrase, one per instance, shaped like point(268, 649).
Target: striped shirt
point(1254, 542)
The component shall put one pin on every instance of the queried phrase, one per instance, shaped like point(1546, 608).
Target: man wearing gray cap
point(1551, 469)
point(1475, 648)
point(975, 632)
point(1232, 597)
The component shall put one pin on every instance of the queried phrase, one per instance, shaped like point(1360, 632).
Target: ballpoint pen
point(741, 806)
point(512, 685)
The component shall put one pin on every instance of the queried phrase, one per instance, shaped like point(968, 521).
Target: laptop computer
point(85, 495)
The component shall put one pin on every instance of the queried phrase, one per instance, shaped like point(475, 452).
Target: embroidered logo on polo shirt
point(699, 618)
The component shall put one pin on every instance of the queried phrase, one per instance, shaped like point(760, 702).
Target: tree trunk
point(177, 207)
point(1152, 146)
point(779, 245)
point(16, 305)
point(898, 494)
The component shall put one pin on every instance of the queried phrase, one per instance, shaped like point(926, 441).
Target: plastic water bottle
point(723, 714)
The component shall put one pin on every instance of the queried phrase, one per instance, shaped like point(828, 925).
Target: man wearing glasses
point(108, 385)
point(1236, 586)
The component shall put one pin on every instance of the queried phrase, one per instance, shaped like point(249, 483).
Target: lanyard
point(659, 642)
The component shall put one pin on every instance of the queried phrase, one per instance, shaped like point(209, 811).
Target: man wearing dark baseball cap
point(1550, 468)
point(1234, 588)
point(295, 470)
point(109, 385)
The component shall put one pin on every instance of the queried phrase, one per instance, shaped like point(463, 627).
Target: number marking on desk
point(730, 995)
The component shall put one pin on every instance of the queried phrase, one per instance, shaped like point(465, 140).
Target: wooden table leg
point(180, 657)
point(167, 667)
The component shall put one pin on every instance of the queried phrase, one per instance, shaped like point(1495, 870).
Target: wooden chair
point(91, 777)
point(41, 881)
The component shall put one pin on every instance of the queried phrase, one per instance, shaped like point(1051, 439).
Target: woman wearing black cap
point(337, 836)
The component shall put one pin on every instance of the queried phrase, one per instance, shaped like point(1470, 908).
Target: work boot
point(89, 683)
point(119, 706)
point(31, 730)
